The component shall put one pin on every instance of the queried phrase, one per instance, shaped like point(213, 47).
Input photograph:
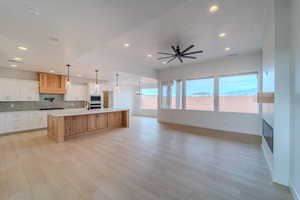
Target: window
point(149, 99)
point(171, 94)
point(164, 95)
point(238, 93)
point(200, 94)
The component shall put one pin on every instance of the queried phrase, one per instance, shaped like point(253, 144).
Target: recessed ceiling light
point(52, 71)
point(149, 56)
point(13, 65)
point(214, 9)
point(33, 11)
point(79, 75)
point(126, 45)
point(22, 48)
point(18, 59)
point(54, 39)
point(222, 35)
point(227, 49)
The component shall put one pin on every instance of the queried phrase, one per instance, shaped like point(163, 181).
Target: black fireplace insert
point(268, 134)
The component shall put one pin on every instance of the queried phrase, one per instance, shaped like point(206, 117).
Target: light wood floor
point(148, 161)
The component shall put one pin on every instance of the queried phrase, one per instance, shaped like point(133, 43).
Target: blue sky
point(150, 91)
point(229, 86)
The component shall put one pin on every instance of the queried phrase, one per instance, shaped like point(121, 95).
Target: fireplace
point(268, 134)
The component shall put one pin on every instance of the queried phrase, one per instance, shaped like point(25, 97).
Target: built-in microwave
point(95, 102)
point(95, 99)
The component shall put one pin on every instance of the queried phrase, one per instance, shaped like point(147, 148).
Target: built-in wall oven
point(95, 102)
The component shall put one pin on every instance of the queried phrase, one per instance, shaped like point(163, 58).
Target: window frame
point(140, 98)
point(216, 90)
point(240, 74)
point(213, 94)
point(169, 91)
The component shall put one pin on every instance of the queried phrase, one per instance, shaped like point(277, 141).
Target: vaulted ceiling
point(91, 34)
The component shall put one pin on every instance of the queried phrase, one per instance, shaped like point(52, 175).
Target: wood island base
point(64, 126)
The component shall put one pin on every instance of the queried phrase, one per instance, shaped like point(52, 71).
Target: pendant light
point(68, 77)
point(97, 84)
point(117, 86)
point(139, 89)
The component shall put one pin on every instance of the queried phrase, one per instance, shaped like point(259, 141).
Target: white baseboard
point(268, 155)
point(294, 192)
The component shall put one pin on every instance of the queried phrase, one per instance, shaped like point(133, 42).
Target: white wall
point(124, 97)
point(235, 122)
point(268, 75)
point(269, 61)
point(282, 93)
point(295, 96)
point(279, 69)
point(236, 64)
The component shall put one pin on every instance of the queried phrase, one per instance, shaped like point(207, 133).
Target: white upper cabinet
point(30, 91)
point(18, 90)
point(77, 92)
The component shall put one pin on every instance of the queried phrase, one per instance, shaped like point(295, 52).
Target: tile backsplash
point(46, 101)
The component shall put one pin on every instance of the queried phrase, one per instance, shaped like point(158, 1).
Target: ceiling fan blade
point(171, 60)
point(165, 57)
point(188, 49)
point(174, 49)
point(180, 59)
point(194, 52)
point(191, 57)
point(165, 53)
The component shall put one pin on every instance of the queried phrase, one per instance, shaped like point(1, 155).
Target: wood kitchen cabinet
point(61, 126)
point(79, 124)
point(97, 122)
point(68, 126)
point(102, 121)
point(115, 120)
point(51, 83)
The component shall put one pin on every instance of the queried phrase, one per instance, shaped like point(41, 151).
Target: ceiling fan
point(179, 54)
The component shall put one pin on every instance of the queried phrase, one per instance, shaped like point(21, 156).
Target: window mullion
point(183, 94)
point(216, 94)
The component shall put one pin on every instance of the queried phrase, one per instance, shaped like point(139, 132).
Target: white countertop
point(84, 111)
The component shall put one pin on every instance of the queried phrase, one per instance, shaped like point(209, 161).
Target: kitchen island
point(76, 122)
